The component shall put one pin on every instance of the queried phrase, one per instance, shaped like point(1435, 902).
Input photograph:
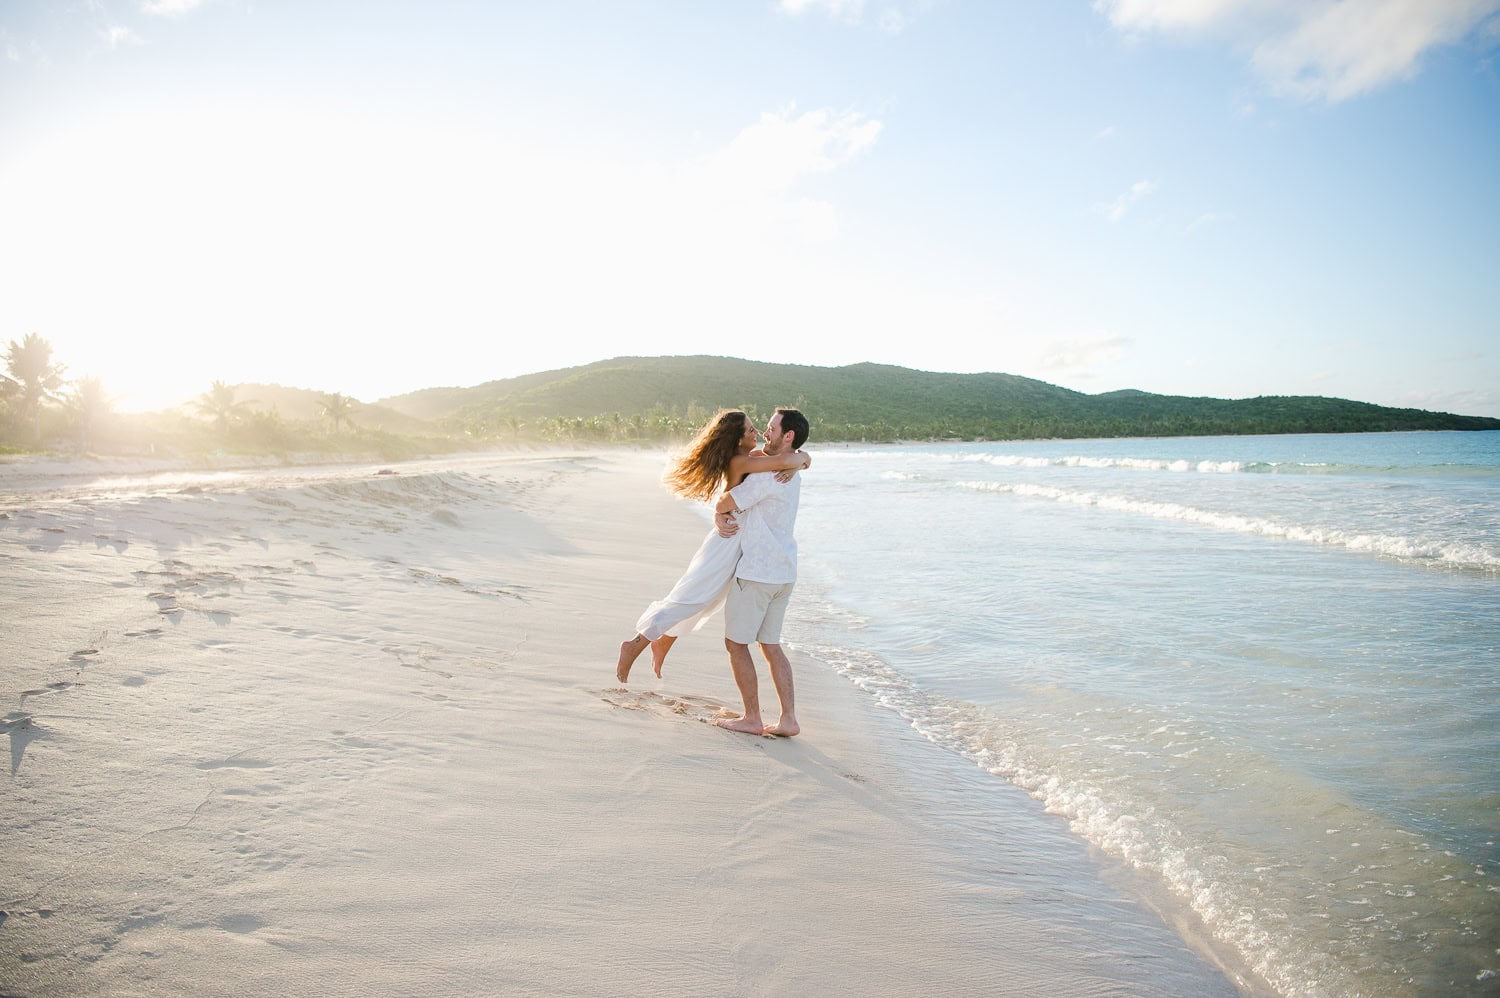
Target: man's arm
point(744, 495)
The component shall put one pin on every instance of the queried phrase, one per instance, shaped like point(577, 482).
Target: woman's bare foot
point(659, 649)
point(745, 725)
point(786, 727)
point(629, 652)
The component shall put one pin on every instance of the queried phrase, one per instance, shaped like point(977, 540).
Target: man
point(763, 512)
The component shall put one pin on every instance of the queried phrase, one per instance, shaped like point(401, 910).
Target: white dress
point(699, 592)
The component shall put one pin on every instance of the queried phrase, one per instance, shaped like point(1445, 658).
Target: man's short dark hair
point(793, 420)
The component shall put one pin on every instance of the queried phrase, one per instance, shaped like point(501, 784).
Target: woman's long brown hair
point(700, 472)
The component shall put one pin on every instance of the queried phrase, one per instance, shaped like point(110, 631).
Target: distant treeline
point(645, 400)
point(43, 410)
point(665, 398)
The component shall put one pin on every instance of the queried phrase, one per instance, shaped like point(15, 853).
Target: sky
point(1223, 198)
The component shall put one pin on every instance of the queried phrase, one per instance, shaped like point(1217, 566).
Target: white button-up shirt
point(768, 549)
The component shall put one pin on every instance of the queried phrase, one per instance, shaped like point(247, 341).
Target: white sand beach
point(355, 731)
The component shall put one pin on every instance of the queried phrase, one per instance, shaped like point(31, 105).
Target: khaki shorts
point(754, 611)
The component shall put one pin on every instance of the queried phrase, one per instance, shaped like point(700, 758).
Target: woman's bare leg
point(659, 649)
point(629, 652)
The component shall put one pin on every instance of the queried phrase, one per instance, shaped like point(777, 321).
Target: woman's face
point(749, 438)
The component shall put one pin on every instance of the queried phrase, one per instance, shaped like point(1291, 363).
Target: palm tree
point(34, 377)
point(88, 403)
point(219, 405)
point(337, 407)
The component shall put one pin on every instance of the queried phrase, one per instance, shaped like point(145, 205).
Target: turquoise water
point(1264, 672)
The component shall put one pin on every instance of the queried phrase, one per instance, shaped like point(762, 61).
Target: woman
point(719, 458)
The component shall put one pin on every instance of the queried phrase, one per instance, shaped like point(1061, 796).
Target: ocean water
point(1263, 673)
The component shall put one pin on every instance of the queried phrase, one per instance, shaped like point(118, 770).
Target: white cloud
point(1469, 402)
point(1351, 48)
point(851, 10)
point(747, 186)
point(18, 51)
point(1315, 49)
point(892, 18)
point(117, 35)
point(1180, 15)
point(1117, 209)
point(1080, 357)
point(1209, 218)
point(780, 148)
point(169, 8)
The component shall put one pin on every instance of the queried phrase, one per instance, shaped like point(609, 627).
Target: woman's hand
point(785, 475)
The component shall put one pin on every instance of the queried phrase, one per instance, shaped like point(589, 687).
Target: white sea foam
point(1211, 466)
point(1412, 549)
point(1266, 888)
point(1126, 463)
point(1227, 899)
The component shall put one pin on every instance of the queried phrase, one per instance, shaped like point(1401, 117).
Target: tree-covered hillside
point(650, 400)
point(657, 397)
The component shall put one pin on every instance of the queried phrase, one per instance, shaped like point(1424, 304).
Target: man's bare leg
point(629, 652)
point(743, 667)
point(781, 675)
point(659, 649)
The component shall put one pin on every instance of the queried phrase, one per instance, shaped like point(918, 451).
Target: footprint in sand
point(22, 730)
point(417, 658)
point(232, 763)
point(698, 708)
point(242, 923)
point(49, 688)
point(16, 720)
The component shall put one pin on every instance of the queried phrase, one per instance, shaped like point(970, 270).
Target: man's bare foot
point(745, 725)
point(629, 652)
point(785, 728)
point(659, 649)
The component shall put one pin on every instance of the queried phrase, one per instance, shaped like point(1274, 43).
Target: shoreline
point(309, 730)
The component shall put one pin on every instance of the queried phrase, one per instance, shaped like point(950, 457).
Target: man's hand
point(726, 524)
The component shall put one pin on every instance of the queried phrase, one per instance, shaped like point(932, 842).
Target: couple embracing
point(748, 561)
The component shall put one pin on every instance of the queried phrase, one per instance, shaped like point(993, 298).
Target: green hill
point(301, 404)
point(656, 397)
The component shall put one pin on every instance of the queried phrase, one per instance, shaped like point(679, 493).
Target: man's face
point(776, 440)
